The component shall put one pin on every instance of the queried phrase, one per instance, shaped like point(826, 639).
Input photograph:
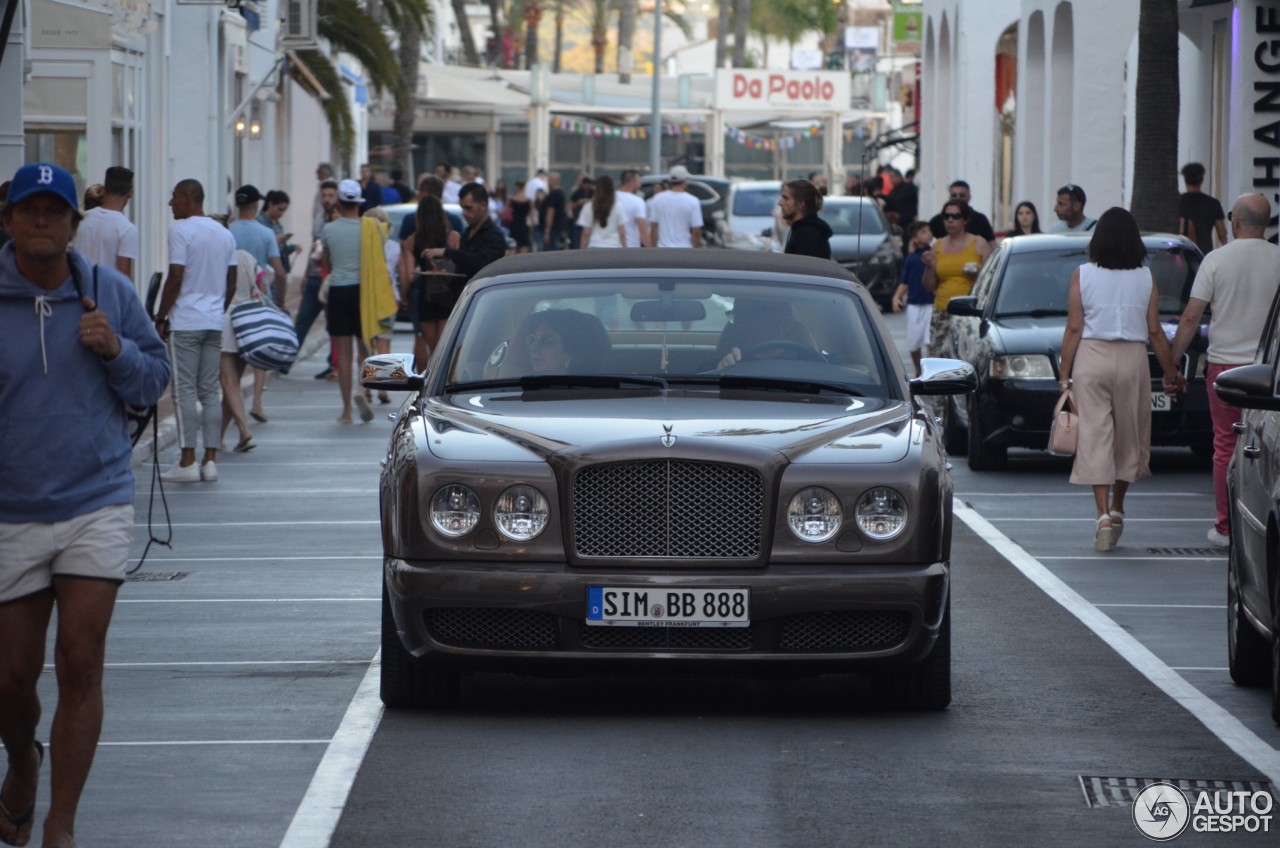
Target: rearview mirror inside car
point(668, 310)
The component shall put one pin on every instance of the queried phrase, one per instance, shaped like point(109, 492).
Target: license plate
point(630, 607)
point(1160, 402)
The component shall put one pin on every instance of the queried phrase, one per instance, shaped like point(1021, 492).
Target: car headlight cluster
point(520, 512)
point(815, 515)
point(885, 254)
point(1022, 367)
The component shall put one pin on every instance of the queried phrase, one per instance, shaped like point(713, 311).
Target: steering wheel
point(790, 350)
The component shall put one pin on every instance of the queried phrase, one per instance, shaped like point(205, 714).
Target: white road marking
point(1199, 668)
point(1141, 558)
point(317, 816)
point(1233, 733)
point(154, 560)
point(241, 600)
point(271, 523)
point(201, 742)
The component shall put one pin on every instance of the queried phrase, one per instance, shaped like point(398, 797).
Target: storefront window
point(66, 147)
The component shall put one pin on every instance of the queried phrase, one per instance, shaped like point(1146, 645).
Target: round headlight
point(814, 515)
point(881, 513)
point(521, 513)
point(455, 510)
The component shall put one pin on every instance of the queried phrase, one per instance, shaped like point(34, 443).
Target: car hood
point(514, 427)
point(1025, 334)
point(845, 248)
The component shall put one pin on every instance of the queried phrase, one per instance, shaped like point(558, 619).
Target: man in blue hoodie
point(67, 368)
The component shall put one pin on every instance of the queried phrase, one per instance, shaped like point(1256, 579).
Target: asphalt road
point(229, 686)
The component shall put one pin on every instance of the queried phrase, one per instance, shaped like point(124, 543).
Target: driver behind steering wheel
point(755, 322)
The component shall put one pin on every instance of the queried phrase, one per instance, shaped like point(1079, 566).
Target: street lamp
point(655, 133)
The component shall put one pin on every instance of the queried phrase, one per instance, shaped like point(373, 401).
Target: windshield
point(1036, 282)
point(755, 202)
point(697, 331)
point(845, 219)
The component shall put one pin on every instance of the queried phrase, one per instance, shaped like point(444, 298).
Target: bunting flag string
point(783, 141)
point(596, 129)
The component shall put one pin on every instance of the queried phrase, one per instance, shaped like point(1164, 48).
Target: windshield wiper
point(770, 384)
point(1032, 313)
point(531, 382)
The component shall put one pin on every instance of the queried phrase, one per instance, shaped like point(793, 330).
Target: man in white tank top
point(1239, 281)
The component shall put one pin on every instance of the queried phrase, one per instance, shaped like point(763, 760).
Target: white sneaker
point(182, 474)
point(209, 472)
point(1218, 539)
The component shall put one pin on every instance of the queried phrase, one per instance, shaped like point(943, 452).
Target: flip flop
point(19, 822)
point(244, 446)
point(258, 415)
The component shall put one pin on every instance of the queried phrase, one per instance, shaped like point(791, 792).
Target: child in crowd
point(911, 293)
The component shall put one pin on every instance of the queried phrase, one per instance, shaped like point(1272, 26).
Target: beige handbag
point(1064, 430)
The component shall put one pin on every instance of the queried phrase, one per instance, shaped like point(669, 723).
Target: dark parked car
point(712, 193)
point(1010, 330)
point(864, 242)
point(1253, 485)
point(665, 459)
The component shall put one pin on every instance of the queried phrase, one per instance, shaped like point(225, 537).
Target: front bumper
point(1017, 413)
point(531, 616)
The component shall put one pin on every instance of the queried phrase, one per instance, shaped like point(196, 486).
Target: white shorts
point(918, 317)
point(95, 545)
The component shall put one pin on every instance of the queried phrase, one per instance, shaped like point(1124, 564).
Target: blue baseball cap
point(43, 177)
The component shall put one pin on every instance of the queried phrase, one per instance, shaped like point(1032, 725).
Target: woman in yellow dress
point(950, 269)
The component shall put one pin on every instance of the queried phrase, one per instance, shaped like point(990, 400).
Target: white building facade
point(1020, 97)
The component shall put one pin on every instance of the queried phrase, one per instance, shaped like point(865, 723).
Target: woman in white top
point(1112, 312)
point(603, 222)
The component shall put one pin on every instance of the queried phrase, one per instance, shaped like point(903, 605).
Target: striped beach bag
point(265, 335)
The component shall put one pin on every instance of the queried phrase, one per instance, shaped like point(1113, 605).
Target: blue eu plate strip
point(595, 603)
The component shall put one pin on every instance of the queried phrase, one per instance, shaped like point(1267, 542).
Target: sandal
point(244, 445)
point(1117, 525)
point(22, 821)
point(1102, 534)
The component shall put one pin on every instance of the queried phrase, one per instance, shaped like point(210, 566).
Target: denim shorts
point(95, 545)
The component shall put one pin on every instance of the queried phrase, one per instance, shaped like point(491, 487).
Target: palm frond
point(342, 126)
point(350, 29)
point(420, 12)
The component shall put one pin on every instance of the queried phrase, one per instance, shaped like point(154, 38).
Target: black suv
point(1010, 330)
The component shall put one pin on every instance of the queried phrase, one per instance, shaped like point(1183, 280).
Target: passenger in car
point(558, 341)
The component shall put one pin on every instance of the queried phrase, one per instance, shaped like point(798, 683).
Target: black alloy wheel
point(406, 681)
point(1248, 654)
point(982, 457)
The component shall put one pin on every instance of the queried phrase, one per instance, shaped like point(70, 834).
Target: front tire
point(1248, 654)
point(408, 682)
point(927, 684)
point(983, 457)
point(954, 437)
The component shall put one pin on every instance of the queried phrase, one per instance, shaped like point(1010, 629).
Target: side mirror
point(944, 377)
point(967, 305)
point(1248, 387)
point(390, 372)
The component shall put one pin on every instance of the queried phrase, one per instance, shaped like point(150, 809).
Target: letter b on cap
point(45, 175)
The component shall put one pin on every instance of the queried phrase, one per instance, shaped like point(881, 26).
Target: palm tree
point(791, 20)
point(559, 48)
point(722, 32)
point(626, 34)
point(532, 17)
point(469, 53)
point(1155, 168)
point(742, 17)
point(350, 29)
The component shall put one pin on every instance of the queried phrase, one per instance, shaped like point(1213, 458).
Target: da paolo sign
point(742, 90)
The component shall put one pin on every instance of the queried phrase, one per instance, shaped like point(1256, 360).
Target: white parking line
point(1198, 668)
point(271, 523)
point(1233, 733)
point(201, 742)
point(317, 816)
point(242, 600)
point(155, 560)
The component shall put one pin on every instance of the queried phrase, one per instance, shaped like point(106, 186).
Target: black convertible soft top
point(663, 259)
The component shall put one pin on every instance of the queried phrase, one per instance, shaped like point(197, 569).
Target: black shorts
point(342, 314)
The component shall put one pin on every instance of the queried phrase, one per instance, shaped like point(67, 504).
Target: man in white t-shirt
point(676, 218)
point(198, 290)
point(637, 221)
point(1238, 281)
point(106, 236)
point(537, 183)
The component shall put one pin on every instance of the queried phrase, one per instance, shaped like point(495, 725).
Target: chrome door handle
point(1252, 452)
point(1238, 428)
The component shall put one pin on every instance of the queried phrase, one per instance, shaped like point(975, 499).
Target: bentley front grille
point(668, 508)
point(494, 629)
point(851, 630)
